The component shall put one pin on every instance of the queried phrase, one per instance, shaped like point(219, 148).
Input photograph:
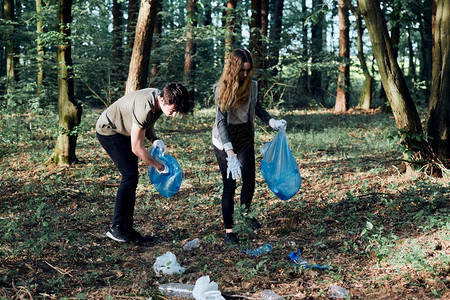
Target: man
point(121, 130)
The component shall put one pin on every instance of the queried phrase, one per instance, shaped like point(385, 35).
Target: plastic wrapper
point(279, 167)
point(167, 264)
point(166, 184)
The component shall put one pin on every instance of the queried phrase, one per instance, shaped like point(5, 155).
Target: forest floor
point(384, 233)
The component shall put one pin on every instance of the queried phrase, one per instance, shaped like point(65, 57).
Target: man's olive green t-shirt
point(137, 107)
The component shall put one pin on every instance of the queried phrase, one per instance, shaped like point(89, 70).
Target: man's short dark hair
point(176, 93)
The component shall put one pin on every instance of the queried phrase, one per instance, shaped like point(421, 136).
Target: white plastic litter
point(167, 264)
point(206, 290)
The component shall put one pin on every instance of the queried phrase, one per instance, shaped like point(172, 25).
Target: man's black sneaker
point(138, 238)
point(231, 238)
point(117, 234)
point(255, 224)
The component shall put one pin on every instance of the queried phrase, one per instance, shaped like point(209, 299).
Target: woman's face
point(243, 73)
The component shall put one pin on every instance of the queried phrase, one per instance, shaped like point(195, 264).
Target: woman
point(236, 97)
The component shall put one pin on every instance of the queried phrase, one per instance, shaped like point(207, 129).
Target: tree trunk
point(157, 31)
point(117, 58)
point(133, 11)
point(439, 106)
point(405, 113)
point(255, 33)
point(190, 48)
point(264, 32)
point(8, 7)
point(365, 100)
point(230, 19)
point(140, 58)
point(275, 35)
point(40, 48)
point(69, 110)
point(316, 51)
point(343, 82)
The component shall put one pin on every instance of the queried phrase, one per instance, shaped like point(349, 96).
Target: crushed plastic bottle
point(264, 249)
point(269, 295)
point(177, 289)
point(298, 261)
point(195, 243)
point(335, 291)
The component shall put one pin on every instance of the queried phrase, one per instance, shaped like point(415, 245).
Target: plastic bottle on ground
point(264, 249)
point(269, 295)
point(195, 243)
point(335, 291)
point(177, 289)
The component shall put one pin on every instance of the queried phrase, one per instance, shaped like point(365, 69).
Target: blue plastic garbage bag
point(279, 167)
point(166, 184)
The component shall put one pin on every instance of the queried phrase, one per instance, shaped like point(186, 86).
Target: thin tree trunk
point(117, 58)
point(264, 31)
point(365, 100)
point(405, 113)
point(439, 105)
point(157, 31)
point(255, 33)
point(140, 58)
point(230, 19)
point(40, 48)
point(275, 35)
point(133, 12)
point(69, 110)
point(316, 51)
point(343, 83)
point(190, 48)
point(8, 7)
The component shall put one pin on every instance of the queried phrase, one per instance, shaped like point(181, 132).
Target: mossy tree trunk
point(439, 105)
point(69, 110)
point(190, 47)
point(230, 18)
point(40, 48)
point(405, 113)
point(8, 7)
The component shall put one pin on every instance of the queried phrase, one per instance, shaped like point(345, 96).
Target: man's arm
point(137, 146)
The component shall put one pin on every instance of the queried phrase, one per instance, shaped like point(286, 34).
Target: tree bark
point(133, 11)
point(117, 59)
point(316, 51)
point(230, 19)
point(275, 35)
point(157, 31)
point(69, 110)
point(190, 48)
point(8, 8)
point(439, 105)
point(264, 32)
point(255, 33)
point(343, 82)
point(140, 58)
point(40, 48)
point(365, 100)
point(405, 114)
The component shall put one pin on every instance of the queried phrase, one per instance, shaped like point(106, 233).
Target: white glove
point(277, 124)
point(234, 167)
point(160, 144)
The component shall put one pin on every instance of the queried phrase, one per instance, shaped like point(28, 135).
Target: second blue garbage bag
point(279, 167)
point(166, 184)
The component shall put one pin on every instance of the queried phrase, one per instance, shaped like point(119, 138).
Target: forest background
point(367, 114)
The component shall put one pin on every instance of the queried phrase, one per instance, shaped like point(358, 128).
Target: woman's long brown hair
point(232, 93)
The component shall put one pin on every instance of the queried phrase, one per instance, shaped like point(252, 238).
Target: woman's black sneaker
point(118, 234)
point(231, 238)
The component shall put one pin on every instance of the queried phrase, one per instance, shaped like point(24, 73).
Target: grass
point(385, 233)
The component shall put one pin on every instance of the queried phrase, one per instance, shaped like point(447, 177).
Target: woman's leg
point(247, 158)
point(229, 188)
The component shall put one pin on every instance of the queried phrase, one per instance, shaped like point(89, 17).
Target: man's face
point(168, 109)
